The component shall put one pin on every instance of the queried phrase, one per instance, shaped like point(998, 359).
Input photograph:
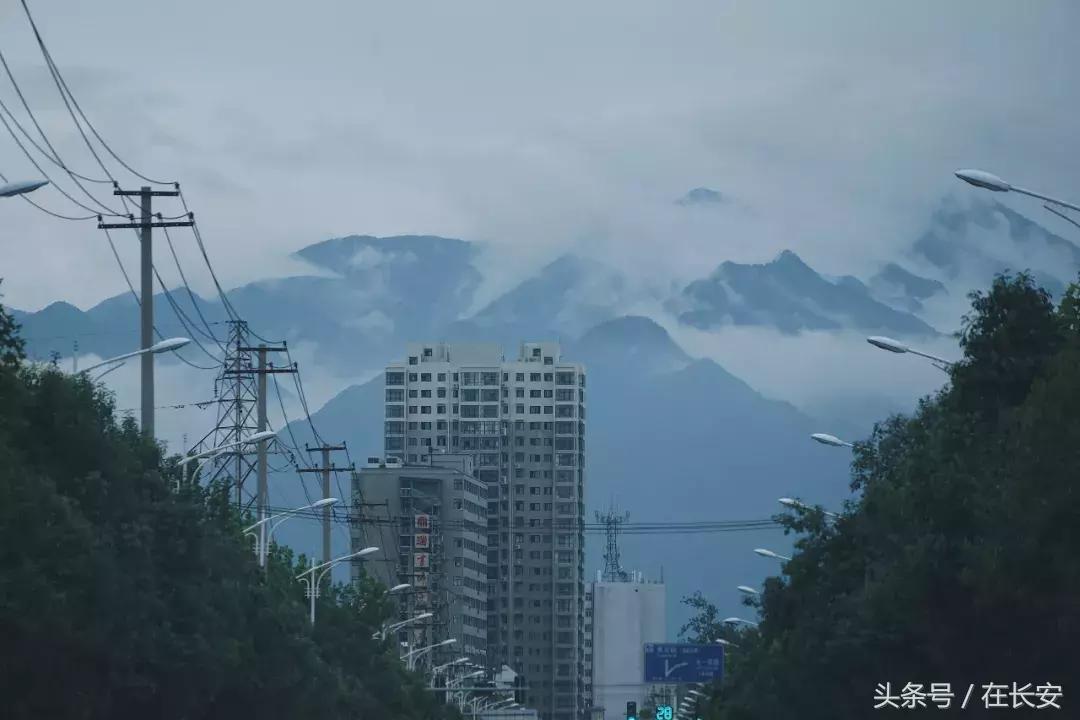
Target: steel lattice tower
point(236, 392)
point(613, 571)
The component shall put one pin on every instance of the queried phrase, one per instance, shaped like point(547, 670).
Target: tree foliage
point(958, 558)
point(126, 594)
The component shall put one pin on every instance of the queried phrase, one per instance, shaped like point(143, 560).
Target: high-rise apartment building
point(523, 422)
point(430, 518)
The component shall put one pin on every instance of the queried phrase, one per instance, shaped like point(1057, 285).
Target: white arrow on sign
point(673, 668)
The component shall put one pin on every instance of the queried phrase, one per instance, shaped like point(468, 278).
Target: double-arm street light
point(314, 575)
point(895, 346)
point(385, 631)
point(412, 656)
point(163, 346)
point(267, 525)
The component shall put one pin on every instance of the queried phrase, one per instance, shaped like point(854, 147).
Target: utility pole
point(146, 292)
point(326, 469)
point(264, 369)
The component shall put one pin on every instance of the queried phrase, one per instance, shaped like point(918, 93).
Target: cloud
point(837, 123)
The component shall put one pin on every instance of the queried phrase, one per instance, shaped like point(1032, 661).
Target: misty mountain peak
point(632, 340)
point(789, 295)
point(701, 196)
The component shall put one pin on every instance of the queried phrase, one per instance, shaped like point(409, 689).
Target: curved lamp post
point(21, 188)
point(314, 575)
point(412, 656)
point(387, 629)
point(990, 181)
point(827, 439)
point(211, 454)
point(747, 590)
point(163, 346)
point(799, 505)
point(770, 554)
point(266, 526)
point(895, 346)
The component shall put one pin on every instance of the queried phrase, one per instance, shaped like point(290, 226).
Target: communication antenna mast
point(613, 571)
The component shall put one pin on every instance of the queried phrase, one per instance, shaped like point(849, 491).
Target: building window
point(534, 377)
point(412, 359)
point(395, 378)
point(425, 377)
point(425, 393)
point(548, 410)
point(441, 410)
point(395, 411)
point(534, 409)
point(440, 392)
point(412, 377)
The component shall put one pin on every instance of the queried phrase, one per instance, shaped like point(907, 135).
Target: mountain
point(902, 289)
point(566, 297)
point(701, 196)
point(629, 341)
point(382, 293)
point(789, 295)
point(679, 443)
point(970, 241)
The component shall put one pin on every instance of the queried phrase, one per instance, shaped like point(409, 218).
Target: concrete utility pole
point(263, 492)
point(326, 469)
point(146, 289)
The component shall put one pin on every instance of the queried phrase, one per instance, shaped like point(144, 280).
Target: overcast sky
point(833, 126)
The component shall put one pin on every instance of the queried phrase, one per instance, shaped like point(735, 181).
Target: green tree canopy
point(958, 558)
point(125, 593)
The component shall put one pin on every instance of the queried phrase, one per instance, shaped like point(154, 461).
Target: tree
point(958, 558)
point(127, 593)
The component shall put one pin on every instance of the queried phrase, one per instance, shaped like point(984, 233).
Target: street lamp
point(314, 575)
point(163, 346)
point(213, 453)
point(827, 439)
point(725, 643)
point(895, 346)
point(770, 554)
point(747, 590)
point(387, 629)
point(739, 621)
point(399, 588)
point(412, 656)
point(21, 188)
point(989, 181)
point(799, 505)
point(266, 530)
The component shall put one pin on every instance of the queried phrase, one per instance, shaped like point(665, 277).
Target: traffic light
point(631, 711)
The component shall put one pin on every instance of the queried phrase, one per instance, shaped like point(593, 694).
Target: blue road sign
point(683, 663)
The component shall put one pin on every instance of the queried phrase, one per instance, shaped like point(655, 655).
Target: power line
point(138, 302)
point(191, 295)
point(41, 170)
point(60, 79)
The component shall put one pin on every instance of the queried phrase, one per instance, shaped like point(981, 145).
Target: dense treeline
point(126, 594)
point(958, 558)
